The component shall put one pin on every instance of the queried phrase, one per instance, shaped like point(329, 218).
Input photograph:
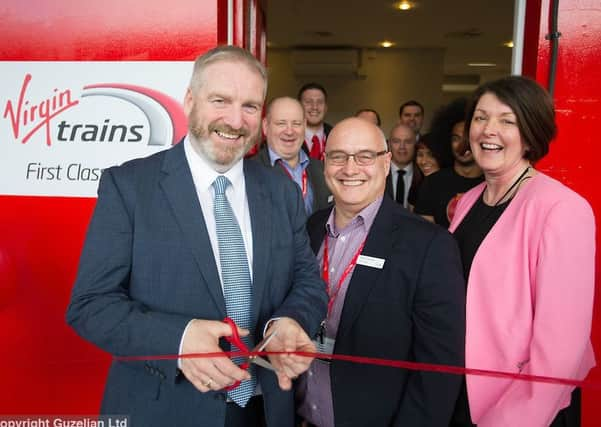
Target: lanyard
point(303, 179)
point(326, 272)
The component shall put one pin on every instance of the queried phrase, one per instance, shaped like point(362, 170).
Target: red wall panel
point(47, 369)
point(109, 30)
point(574, 156)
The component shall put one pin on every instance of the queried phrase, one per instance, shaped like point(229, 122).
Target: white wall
point(392, 76)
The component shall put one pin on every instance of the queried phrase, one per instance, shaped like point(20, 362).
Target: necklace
point(517, 182)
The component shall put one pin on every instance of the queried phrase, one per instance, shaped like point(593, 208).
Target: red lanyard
point(303, 179)
point(325, 274)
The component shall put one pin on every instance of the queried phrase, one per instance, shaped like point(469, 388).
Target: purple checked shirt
point(314, 393)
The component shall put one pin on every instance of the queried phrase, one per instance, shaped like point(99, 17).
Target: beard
point(221, 154)
point(464, 160)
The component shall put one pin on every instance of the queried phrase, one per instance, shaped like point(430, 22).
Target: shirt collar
point(274, 157)
point(364, 218)
point(320, 133)
point(203, 171)
point(408, 169)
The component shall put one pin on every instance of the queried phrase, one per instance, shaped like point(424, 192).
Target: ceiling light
point(386, 43)
point(481, 64)
point(508, 44)
point(404, 5)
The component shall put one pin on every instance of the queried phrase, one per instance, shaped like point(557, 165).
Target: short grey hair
point(225, 53)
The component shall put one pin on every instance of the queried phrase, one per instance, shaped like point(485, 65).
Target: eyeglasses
point(362, 158)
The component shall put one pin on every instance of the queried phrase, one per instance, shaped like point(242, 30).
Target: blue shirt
point(296, 174)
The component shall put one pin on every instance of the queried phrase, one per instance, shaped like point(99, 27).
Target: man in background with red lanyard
point(396, 291)
point(284, 129)
point(314, 100)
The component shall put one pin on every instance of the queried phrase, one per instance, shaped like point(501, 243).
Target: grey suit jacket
point(321, 192)
point(147, 269)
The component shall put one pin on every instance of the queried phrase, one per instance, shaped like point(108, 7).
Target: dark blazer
point(412, 309)
point(147, 268)
point(416, 182)
point(321, 192)
point(326, 129)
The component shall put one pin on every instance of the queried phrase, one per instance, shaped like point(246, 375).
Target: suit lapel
point(378, 245)
point(260, 208)
point(180, 191)
point(389, 187)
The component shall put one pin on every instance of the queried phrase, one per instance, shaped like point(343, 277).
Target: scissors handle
point(235, 340)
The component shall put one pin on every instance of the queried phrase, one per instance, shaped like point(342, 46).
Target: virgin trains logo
point(29, 117)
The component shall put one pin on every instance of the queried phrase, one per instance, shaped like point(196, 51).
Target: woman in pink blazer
point(528, 247)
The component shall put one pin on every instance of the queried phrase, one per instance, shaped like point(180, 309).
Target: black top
point(474, 228)
point(438, 192)
point(469, 235)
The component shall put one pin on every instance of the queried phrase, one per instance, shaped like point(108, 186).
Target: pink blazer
point(529, 303)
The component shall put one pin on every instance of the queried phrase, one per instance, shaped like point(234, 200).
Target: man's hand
point(214, 373)
point(290, 337)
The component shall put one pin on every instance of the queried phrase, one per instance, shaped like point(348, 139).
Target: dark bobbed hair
point(369, 110)
point(532, 106)
point(412, 103)
point(312, 85)
point(440, 152)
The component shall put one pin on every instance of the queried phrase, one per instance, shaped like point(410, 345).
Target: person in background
point(370, 115)
point(404, 179)
point(411, 114)
point(396, 292)
point(284, 129)
point(528, 248)
point(314, 100)
point(430, 157)
point(183, 238)
point(439, 193)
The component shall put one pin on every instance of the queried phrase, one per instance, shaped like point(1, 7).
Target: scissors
point(237, 341)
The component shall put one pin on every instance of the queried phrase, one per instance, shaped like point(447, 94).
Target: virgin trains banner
point(62, 123)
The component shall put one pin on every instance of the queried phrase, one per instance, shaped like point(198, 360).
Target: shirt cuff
point(181, 344)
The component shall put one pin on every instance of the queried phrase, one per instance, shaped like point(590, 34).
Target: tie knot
point(220, 184)
point(401, 172)
point(315, 139)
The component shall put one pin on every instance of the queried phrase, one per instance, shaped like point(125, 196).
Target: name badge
point(370, 261)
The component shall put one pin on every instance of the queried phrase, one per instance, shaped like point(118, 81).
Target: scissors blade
point(258, 360)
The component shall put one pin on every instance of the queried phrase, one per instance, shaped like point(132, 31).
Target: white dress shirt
point(321, 134)
point(203, 175)
point(407, 179)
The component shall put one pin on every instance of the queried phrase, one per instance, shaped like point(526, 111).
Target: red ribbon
point(412, 366)
point(325, 273)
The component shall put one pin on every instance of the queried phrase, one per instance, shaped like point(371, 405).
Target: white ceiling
point(469, 30)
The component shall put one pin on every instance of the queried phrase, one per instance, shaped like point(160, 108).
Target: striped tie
point(237, 289)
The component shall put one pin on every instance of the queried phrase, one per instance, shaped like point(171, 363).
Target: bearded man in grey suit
point(152, 277)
